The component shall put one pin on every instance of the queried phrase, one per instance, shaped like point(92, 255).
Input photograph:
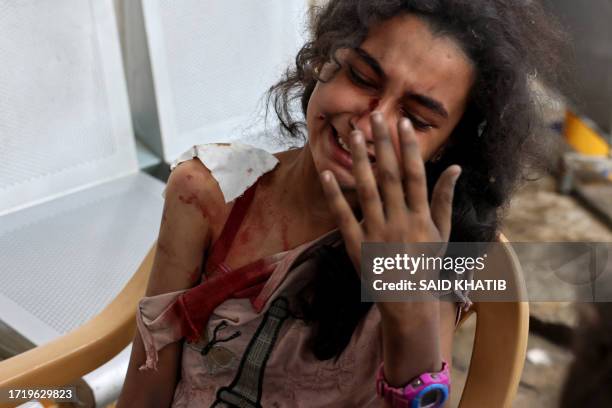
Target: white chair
point(197, 70)
point(76, 215)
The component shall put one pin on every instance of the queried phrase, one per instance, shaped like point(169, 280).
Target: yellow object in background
point(583, 138)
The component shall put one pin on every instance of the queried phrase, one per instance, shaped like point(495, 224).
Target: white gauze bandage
point(235, 166)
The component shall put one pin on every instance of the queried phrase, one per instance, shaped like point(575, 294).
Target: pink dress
point(251, 352)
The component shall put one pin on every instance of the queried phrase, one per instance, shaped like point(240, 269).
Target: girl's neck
point(298, 187)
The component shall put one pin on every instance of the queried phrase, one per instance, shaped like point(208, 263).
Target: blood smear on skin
point(193, 199)
point(163, 249)
point(244, 236)
point(374, 103)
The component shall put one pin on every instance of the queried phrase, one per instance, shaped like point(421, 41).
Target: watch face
point(432, 398)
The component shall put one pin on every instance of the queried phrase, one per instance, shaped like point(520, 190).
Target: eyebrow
point(421, 99)
point(428, 103)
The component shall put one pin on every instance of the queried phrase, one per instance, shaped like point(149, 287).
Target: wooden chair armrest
point(500, 345)
point(87, 347)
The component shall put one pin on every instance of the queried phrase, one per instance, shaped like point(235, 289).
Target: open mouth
point(342, 144)
point(339, 140)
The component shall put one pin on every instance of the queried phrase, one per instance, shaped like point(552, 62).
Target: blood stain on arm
point(192, 199)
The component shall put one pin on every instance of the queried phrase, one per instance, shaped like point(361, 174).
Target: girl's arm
point(396, 209)
point(423, 341)
point(183, 238)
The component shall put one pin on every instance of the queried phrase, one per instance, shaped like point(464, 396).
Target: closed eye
point(359, 79)
point(418, 123)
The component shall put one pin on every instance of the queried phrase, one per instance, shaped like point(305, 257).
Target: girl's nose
point(362, 120)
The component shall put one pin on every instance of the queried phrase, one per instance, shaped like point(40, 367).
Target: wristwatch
point(428, 390)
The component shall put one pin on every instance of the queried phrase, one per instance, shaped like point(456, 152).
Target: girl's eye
point(417, 123)
point(359, 79)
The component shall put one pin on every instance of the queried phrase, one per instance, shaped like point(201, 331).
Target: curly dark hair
point(510, 42)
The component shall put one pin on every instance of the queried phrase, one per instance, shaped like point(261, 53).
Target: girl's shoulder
point(234, 166)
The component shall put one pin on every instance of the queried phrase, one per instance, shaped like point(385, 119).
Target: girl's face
point(401, 69)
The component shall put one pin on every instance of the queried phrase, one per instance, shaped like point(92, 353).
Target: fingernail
point(357, 138)
point(405, 123)
point(326, 176)
point(376, 115)
point(457, 175)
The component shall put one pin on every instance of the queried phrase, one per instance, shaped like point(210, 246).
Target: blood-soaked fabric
point(293, 376)
point(221, 246)
point(191, 310)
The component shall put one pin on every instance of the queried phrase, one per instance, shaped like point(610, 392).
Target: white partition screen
point(212, 62)
point(64, 116)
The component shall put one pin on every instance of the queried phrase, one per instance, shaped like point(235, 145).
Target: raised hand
point(403, 213)
point(410, 330)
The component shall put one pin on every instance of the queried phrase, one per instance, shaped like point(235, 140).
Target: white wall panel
point(64, 117)
point(212, 62)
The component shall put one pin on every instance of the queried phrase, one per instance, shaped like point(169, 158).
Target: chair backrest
point(64, 113)
point(500, 343)
point(197, 70)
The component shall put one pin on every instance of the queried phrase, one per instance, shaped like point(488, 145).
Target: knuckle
point(388, 176)
point(445, 197)
point(384, 136)
point(395, 232)
point(368, 194)
point(344, 219)
point(409, 144)
point(414, 170)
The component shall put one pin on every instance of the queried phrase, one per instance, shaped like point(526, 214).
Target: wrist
point(430, 389)
point(410, 314)
point(411, 345)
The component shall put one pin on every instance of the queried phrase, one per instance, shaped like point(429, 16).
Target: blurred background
point(570, 201)
point(97, 98)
